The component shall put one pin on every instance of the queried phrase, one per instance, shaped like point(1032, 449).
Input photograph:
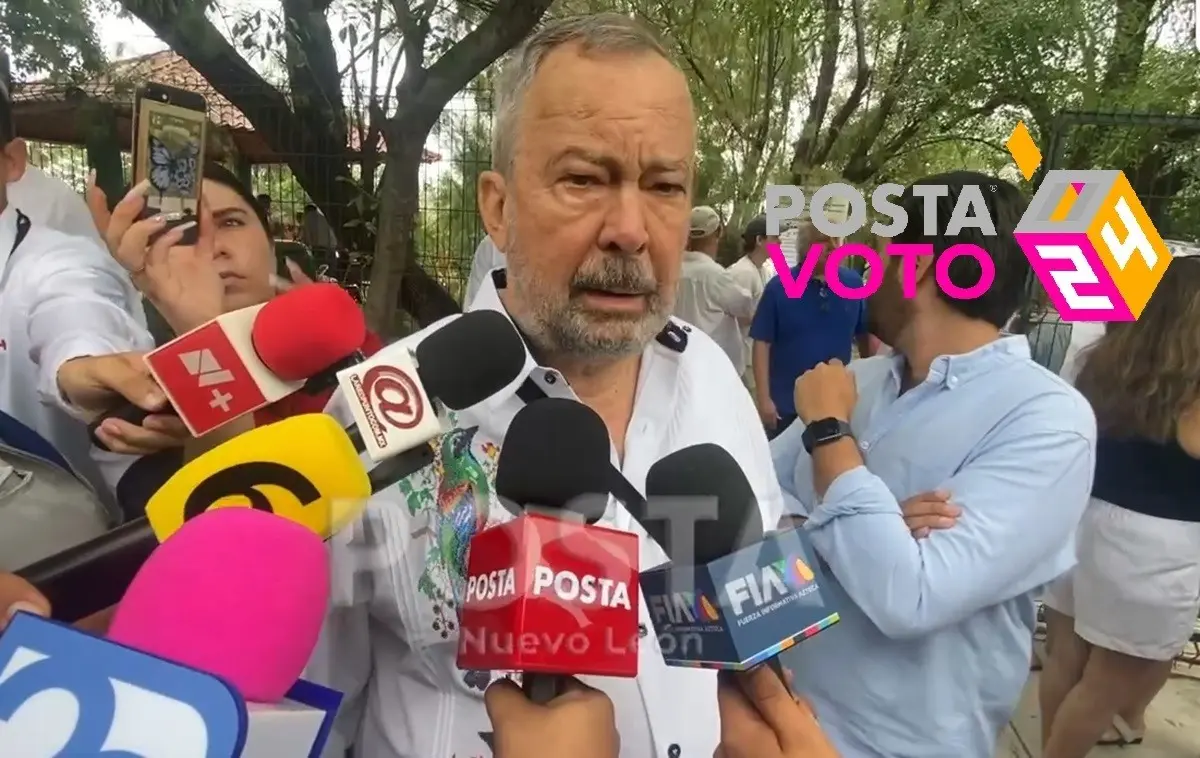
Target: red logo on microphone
point(393, 395)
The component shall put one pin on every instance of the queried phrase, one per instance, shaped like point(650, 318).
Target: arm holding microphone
point(760, 718)
point(579, 723)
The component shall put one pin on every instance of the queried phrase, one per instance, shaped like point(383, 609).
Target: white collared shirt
point(487, 257)
point(61, 297)
point(750, 278)
point(49, 202)
point(391, 640)
point(709, 298)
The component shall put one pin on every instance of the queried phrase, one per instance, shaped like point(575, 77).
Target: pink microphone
point(235, 592)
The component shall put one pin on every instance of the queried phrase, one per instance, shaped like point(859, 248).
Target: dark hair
point(215, 172)
point(1005, 205)
point(1140, 377)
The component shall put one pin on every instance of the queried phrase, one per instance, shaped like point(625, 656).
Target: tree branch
point(862, 79)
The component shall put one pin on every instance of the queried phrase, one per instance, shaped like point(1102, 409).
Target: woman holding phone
point(231, 266)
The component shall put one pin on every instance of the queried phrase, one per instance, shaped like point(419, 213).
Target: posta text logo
point(1088, 239)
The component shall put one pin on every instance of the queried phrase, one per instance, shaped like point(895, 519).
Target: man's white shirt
point(50, 203)
point(709, 298)
point(391, 639)
point(750, 278)
point(61, 297)
point(487, 257)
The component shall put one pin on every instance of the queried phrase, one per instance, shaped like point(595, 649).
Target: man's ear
point(17, 159)
point(493, 194)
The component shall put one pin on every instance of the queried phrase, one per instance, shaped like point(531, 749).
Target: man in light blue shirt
point(933, 648)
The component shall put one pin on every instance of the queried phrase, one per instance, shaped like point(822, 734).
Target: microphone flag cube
point(212, 374)
point(740, 610)
point(390, 406)
point(551, 596)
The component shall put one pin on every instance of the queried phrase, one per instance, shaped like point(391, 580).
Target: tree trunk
point(399, 195)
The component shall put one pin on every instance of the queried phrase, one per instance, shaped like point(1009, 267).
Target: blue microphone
point(64, 693)
point(736, 599)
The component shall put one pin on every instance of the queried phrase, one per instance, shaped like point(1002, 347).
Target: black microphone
point(92, 575)
point(554, 461)
point(750, 596)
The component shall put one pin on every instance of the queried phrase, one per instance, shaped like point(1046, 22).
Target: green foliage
point(51, 37)
point(449, 224)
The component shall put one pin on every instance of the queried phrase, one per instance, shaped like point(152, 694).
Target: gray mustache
point(616, 275)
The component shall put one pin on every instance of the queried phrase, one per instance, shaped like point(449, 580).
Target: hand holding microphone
point(95, 384)
point(246, 359)
point(760, 718)
point(17, 595)
point(579, 723)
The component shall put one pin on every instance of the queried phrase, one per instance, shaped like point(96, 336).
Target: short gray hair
point(597, 32)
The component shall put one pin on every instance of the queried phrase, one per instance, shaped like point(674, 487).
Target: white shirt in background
point(708, 298)
point(750, 278)
point(392, 650)
point(487, 257)
point(61, 297)
point(50, 203)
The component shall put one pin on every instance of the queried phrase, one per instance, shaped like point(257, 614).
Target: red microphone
point(548, 594)
point(242, 361)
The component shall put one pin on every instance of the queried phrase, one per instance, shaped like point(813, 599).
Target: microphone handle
point(94, 575)
point(542, 688)
point(126, 412)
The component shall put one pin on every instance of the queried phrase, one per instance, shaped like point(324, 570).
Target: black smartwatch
point(824, 431)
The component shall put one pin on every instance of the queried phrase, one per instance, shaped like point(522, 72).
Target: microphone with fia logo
point(741, 598)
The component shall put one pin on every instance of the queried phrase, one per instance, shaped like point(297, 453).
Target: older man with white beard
point(588, 198)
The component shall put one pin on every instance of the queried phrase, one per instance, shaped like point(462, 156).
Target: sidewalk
point(1173, 728)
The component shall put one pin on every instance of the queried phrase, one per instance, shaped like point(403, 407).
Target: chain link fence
point(69, 131)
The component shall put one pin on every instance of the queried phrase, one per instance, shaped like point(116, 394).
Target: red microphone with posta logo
point(548, 594)
point(242, 361)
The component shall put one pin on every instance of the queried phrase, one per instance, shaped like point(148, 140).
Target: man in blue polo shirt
point(793, 335)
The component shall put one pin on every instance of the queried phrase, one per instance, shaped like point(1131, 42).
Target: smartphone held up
point(169, 134)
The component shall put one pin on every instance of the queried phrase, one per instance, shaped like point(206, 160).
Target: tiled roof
point(166, 67)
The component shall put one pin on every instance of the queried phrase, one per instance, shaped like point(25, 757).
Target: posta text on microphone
point(252, 357)
point(547, 593)
point(304, 469)
point(395, 396)
point(739, 599)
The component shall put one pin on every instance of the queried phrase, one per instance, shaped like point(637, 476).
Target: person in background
point(316, 232)
point(1008, 448)
point(793, 335)
point(1115, 624)
point(708, 296)
point(62, 301)
point(52, 204)
point(487, 257)
point(589, 197)
point(274, 227)
point(748, 273)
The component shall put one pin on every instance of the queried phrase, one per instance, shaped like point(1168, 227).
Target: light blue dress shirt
point(934, 645)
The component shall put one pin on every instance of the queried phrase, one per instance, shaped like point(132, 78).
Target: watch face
point(824, 431)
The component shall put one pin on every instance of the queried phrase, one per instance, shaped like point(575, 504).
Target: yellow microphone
point(304, 468)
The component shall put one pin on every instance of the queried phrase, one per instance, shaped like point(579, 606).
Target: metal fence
point(1159, 154)
point(449, 228)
